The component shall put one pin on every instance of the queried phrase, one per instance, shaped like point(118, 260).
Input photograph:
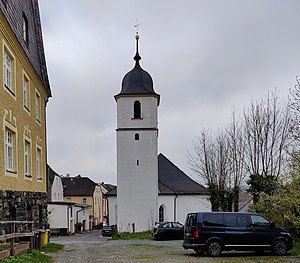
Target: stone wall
point(23, 206)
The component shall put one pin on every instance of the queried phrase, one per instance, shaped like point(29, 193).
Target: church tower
point(137, 161)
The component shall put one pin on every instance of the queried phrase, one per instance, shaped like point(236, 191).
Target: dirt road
point(92, 249)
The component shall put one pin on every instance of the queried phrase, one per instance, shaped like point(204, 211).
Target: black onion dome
point(137, 81)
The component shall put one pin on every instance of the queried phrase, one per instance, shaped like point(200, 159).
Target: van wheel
point(279, 248)
point(214, 249)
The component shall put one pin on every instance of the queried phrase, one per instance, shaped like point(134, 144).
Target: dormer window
point(25, 28)
point(137, 110)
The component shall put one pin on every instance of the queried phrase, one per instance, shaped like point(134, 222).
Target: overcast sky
point(205, 57)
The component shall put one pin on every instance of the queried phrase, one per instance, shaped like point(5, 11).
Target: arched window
point(137, 110)
point(161, 214)
point(136, 136)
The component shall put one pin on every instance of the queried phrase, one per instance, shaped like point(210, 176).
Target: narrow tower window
point(136, 136)
point(137, 110)
point(137, 162)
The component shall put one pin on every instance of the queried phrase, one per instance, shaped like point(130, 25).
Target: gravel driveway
point(82, 250)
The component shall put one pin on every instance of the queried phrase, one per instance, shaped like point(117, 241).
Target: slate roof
point(51, 174)
point(13, 11)
point(78, 186)
point(108, 187)
point(172, 181)
point(112, 192)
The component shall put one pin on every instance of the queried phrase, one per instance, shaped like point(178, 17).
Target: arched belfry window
point(136, 136)
point(137, 110)
point(161, 213)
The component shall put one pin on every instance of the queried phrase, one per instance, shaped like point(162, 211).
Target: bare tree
point(237, 172)
point(210, 161)
point(267, 127)
point(294, 104)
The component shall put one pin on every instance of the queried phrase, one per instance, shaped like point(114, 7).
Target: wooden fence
point(14, 232)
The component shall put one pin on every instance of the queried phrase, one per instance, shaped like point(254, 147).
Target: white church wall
point(184, 204)
point(168, 202)
point(191, 203)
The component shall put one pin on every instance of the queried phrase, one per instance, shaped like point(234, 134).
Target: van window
point(191, 220)
point(213, 220)
point(259, 220)
point(235, 220)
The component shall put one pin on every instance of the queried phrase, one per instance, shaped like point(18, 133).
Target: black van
point(213, 232)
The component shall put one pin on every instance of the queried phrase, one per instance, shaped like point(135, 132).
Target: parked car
point(168, 230)
point(213, 232)
point(107, 231)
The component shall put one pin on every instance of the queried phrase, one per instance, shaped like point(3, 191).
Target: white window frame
point(8, 70)
point(9, 150)
point(37, 106)
point(27, 158)
point(9, 66)
point(26, 92)
point(39, 164)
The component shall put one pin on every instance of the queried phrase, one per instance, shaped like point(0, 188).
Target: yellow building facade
point(24, 92)
point(82, 190)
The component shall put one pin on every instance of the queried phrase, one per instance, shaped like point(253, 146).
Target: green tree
point(283, 207)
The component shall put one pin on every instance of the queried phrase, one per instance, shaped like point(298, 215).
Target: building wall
point(58, 215)
point(57, 190)
point(23, 196)
point(95, 202)
point(167, 201)
point(125, 112)
point(137, 164)
point(82, 216)
point(104, 205)
point(177, 207)
point(112, 210)
point(21, 121)
point(23, 206)
point(191, 203)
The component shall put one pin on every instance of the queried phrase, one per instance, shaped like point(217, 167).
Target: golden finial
point(137, 30)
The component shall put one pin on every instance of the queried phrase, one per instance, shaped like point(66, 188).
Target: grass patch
point(35, 256)
point(52, 247)
point(296, 249)
point(129, 236)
